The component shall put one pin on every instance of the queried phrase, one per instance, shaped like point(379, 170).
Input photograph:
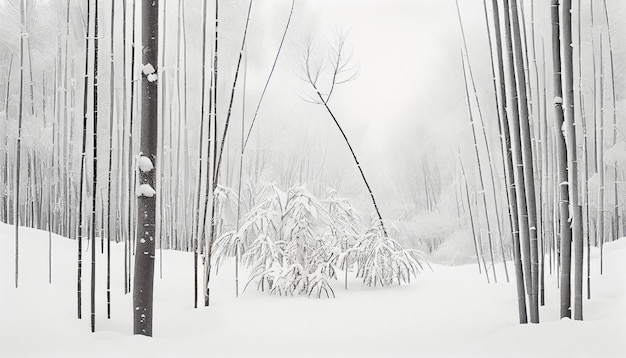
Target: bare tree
point(342, 70)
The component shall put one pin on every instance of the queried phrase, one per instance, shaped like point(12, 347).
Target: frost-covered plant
point(295, 244)
point(382, 260)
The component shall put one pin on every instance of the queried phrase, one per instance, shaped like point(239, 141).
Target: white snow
point(449, 312)
point(152, 77)
point(147, 69)
point(144, 164)
point(145, 190)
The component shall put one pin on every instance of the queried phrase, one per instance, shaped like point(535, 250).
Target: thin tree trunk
point(201, 158)
point(219, 154)
point(16, 214)
point(111, 118)
point(95, 172)
point(83, 161)
point(6, 199)
point(613, 106)
point(469, 210)
point(481, 188)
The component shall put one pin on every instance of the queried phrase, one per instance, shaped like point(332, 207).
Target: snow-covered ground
point(450, 311)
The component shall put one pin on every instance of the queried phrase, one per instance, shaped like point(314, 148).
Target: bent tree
point(146, 200)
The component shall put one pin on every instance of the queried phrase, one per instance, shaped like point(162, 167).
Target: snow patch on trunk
point(145, 190)
point(145, 164)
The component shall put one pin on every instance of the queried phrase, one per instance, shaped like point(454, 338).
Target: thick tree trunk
point(505, 133)
point(565, 229)
point(572, 162)
point(516, 149)
point(146, 200)
point(527, 160)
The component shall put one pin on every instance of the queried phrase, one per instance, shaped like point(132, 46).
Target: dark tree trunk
point(82, 165)
point(146, 199)
point(95, 171)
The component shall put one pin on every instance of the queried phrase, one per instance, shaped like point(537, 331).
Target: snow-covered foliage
point(381, 260)
point(295, 244)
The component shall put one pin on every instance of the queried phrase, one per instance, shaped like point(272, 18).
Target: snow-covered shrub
point(382, 260)
point(295, 244)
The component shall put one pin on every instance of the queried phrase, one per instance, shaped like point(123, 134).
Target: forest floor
point(449, 311)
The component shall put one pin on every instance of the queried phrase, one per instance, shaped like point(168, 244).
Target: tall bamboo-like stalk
point(110, 184)
point(232, 97)
point(65, 127)
point(600, 155)
point(211, 162)
point(539, 147)
point(16, 214)
point(572, 161)
point(124, 168)
point(269, 77)
point(509, 164)
point(95, 171)
point(613, 106)
point(489, 159)
point(500, 114)
point(516, 147)
point(132, 115)
point(198, 219)
point(529, 179)
point(471, 217)
point(548, 232)
point(245, 138)
point(5, 197)
point(219, 154)
point(481, 188)
point(565, 229)
point(83, 162)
